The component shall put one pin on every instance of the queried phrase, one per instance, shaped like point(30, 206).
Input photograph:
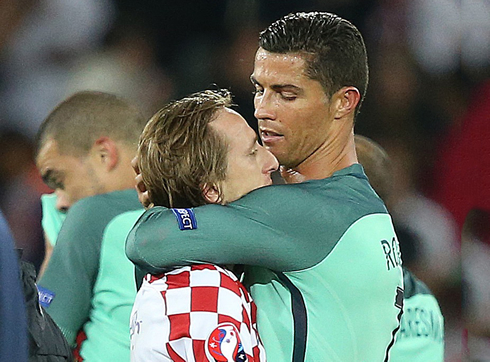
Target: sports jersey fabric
point(421, 335)
point(197, 313)
point(52, 218)
point(324, 263)
point(88, 287)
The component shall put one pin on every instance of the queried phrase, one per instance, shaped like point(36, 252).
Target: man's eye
point(56, 185)
point(258, 92)
point(288, 96)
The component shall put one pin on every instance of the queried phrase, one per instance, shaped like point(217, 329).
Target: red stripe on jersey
point(244, 292)
point(150, 278)
point(230, 284)
point(180, 280)
point(174, 355)
point(81, 336)
point(256, 351)
point(253, 312)
point(203, 267)
point(179, 326)
point(245, 317)
point(198, 348)
point(204, 299)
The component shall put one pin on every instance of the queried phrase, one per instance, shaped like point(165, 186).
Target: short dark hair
point(179, 152)
point(334, 50)
point(77, 122)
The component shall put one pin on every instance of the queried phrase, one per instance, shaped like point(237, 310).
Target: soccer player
point(324, 261)
point(192, 152)
point(85, 147)
point(421, 335)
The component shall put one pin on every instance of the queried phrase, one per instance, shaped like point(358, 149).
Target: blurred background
point(428, 105)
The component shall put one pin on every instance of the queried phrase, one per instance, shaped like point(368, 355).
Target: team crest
point(224, 344)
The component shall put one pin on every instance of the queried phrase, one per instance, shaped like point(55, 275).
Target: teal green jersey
point(52, 217)
point(89, 283)
point(421, 335)
point(323, 263)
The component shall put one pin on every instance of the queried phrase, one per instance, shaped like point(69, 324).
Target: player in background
point(192, 152)
point(85, 147)
point(421, 334)
point(324, 262)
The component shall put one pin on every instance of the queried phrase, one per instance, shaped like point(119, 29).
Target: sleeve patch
point(185, 218)
point(45, 296)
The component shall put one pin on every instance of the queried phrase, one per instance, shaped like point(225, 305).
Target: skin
point(310, 134)
point(249, 164)
point(71, 177)
point(106, 168)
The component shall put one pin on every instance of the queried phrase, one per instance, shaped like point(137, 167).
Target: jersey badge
point(46, 296)
point(185, 218)
point(224, 344)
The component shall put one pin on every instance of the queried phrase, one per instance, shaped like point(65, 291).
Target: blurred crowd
point(428, 105)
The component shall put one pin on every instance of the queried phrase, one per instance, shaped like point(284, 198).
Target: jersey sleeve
point(281, 227)
point(66, 286)
point(260, 229)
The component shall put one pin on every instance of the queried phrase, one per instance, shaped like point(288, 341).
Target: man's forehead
point(50, 158)
point(279, 67)
point(232, 125)
point(48, 150)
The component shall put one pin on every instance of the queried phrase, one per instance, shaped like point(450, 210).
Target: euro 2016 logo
point(224, 344)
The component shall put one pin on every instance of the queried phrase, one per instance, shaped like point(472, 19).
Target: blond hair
point(178, 153)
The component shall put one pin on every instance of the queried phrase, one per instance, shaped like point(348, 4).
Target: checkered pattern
point(175, 313)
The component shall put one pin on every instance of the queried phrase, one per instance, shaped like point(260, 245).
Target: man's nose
point(62, 201)
point(271, 163)
point(263, 107)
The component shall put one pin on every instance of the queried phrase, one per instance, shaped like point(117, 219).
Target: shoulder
point(120, 200)
point(344, 197)
point(103, 205)
point(95, 212)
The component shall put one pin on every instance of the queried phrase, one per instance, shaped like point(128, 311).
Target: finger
point(134, 164)
point(144, 199)
point(140, 185)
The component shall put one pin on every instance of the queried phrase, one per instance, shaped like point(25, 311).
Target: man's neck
point(122, 176)
point(323, 163)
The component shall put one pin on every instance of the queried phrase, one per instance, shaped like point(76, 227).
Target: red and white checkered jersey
point(198, 313)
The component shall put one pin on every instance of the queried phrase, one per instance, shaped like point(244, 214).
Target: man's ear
point(346, 100)
point(106, 152)
point(211, 193)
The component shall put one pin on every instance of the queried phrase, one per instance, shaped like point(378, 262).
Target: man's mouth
point(268, 136)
